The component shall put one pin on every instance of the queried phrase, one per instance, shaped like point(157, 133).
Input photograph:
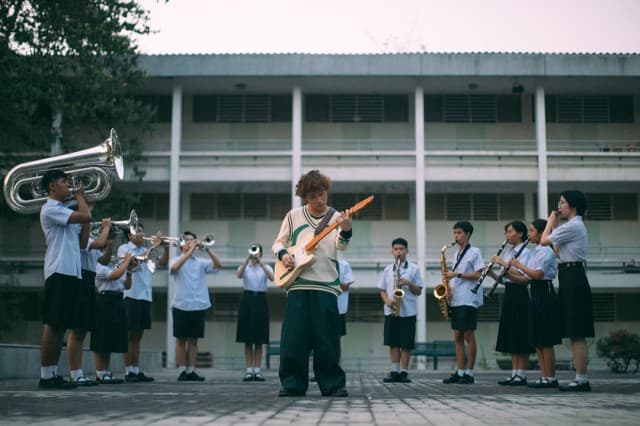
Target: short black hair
point(575, 199)
point(539, 224)
point(400, 241)
point(190, 233)
point(464, 225)
point(519, 227)
point(51, 176)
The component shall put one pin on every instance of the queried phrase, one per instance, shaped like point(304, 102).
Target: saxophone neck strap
point(461, 255)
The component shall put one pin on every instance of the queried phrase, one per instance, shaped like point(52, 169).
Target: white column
point(421, 231)
point(56, 128)
point(296, 144)
point(174, 207)
point(541, 141)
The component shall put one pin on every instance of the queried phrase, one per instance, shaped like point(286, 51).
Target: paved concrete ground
point(223, 399)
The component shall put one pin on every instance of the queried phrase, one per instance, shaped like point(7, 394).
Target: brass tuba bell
point(94, 167)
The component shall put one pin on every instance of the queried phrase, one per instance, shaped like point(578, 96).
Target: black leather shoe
point(393, 377)
point(576, 387)
point(194, 377)
point(131, 378)
point(466, 379)
point(403, 377)
point(454, 378)
point(258, 377)
point(56, 382)
point(143, 378)
point(505, 382)
point(248, 377)
point(518, 381)
point(183, 377)
point(285, 393)
point(108, 379)
point(338, 393)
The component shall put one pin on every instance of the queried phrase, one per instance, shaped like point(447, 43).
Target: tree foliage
point(75, 59)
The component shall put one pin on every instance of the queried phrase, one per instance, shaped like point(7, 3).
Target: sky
point(379, 26)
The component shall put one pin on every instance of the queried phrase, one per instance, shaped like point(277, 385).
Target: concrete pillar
point(174, 206)
point(541, 143)
point(296, 144)
point(421, 232)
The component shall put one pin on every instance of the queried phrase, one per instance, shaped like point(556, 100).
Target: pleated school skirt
point(545, 315)
point(513, 331)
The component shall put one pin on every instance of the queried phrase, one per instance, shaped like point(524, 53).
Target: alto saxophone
point(442, 291)
point(398, 293)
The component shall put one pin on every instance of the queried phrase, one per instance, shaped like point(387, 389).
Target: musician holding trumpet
point(191, 301)
point(400, 311)
point(253, 313)
point(137, 300)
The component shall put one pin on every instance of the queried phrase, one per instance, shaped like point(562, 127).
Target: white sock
point(522, 373)
point(136, 369)
point(129, 369)
point(514, 372)
point(395, 366)
point(551, 379)
point(469, 372)
point(101, 373)
point(460, 372)
point(190, 369)
point(182, 368)
point(48, 372)
point(76, 374)
point(582, 378)
point(249, 370)
point(256, 370)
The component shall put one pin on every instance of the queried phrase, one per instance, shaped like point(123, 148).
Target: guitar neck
point(313, 243)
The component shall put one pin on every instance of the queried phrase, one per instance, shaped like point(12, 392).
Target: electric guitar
point(302, 252)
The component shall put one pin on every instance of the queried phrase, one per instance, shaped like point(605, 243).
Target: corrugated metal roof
point(403, 54)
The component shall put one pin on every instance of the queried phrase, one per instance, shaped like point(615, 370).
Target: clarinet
point(487, 269)
point(500, 277)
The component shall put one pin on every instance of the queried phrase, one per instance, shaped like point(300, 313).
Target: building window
point(241, 108)
point(356, 108)
point(472, 109)
point(478, 206)
point(161, 106)
point(153, 207)
point(604, 206)
point(239, 206)
point(588, 109)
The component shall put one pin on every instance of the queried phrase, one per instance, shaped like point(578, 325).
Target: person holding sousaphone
point(253, 313)
point(311, 319)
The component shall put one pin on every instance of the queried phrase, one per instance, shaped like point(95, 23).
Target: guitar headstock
point(360, 204)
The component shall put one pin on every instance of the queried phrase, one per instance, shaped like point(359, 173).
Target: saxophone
point(398, 293)
point(442, 291)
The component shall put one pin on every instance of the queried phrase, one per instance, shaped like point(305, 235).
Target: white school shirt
point(410, 272)
point(254, 278)
point(62, 238)
point(523, 258)
point(191, 290)
point(571, 240)
point(544, 259)
point(346, 276)
point(461, 294)
point(89, 257)
point(102, 278)
point(141, 278)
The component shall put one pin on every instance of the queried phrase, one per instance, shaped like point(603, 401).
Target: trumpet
point(208, 242)
point(131, 224)
point(176, 241)
point(487, 269)
point(398, 293)
point(254, 249)
point(94, 167)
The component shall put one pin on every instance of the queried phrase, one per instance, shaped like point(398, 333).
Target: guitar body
point(283, 276)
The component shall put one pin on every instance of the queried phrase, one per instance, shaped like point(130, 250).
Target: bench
point(273, 349)
point(435, 349)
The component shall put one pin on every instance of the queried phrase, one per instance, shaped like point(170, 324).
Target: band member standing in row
point(576, 307)
point(513, 330)
point(253, 313)
point(400, 331)
point(311, 319)
point(346, 281)
point(190, 302)
point(64, 291)
point(545, 333)
point(110, 335)
point(466, 270)
point(137, 301)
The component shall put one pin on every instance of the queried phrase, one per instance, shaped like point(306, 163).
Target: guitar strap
point(325, 220)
